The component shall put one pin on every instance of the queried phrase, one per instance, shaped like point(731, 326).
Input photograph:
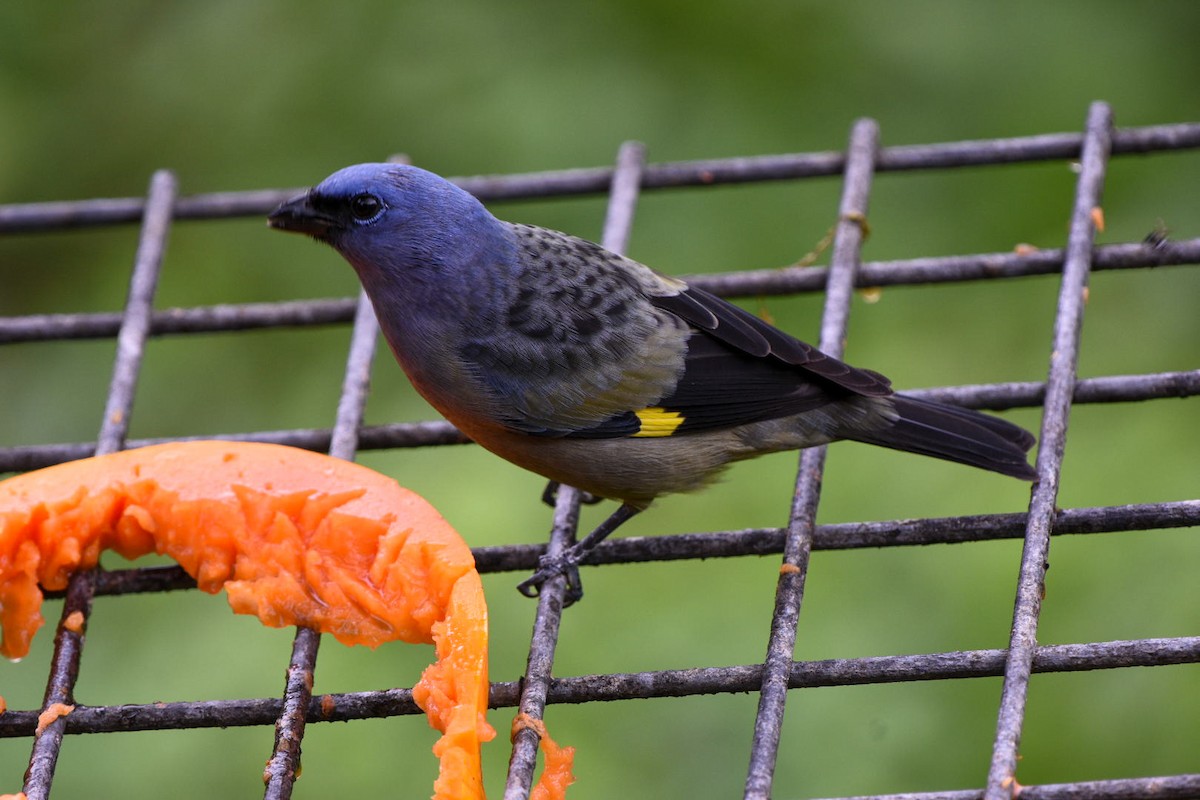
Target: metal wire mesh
point(779, 672)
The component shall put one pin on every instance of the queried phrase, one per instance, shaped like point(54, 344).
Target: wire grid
point(779, 672)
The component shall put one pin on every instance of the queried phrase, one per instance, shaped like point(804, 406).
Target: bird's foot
point(567, 562)
point(566, 565)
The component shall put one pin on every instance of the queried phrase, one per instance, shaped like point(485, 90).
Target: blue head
point(412, 236)
point(432, 259)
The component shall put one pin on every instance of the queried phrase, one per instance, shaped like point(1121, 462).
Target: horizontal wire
point(371, 437)
point(342, 707)
point(745, 283)
point(222, 318)
point(947, 269)
point(1107, 389)
point(761, 541)
point(993, 396)
point(56, 215)
point(857, 535)
point(1165, 787)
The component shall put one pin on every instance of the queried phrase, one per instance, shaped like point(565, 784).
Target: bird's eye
point(365, 207)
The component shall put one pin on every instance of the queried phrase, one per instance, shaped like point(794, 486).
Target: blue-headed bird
point(594, 370)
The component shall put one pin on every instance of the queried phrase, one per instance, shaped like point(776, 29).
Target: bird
point(595, 371)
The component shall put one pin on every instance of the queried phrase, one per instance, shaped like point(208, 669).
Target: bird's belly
point(633, 470)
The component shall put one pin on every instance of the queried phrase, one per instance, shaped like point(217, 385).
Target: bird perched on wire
point(593, 370)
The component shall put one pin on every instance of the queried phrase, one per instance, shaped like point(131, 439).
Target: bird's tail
point(956, 434)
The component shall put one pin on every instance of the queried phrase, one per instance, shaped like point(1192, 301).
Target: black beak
point(298, 216)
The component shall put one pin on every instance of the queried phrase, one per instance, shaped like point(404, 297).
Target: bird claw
point(566, 565)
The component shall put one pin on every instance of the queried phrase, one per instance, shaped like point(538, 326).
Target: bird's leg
point(567, 563)
point(550, 495)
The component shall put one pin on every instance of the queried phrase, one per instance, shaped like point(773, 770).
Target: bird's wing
point(744, 333)
point(594, 345)
point(576, 341)
point(738, 370)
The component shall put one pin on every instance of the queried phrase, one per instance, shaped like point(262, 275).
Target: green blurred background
point(247, 95)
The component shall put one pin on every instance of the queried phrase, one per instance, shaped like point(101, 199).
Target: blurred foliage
point(245, 95)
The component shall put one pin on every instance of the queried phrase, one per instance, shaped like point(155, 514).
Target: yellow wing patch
point(657, 421)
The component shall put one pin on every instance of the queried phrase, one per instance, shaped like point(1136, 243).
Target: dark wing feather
point(739, 370)
point(955, 434)
point(722, 387)
point(741, 330)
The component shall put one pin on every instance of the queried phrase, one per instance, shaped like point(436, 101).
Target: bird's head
point(392, 221)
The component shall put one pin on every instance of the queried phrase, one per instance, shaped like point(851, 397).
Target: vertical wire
point(618, 223)
point(789, 593)
point(540, 662)
point(131, 341)
point(283, 767)
point(1060, 385)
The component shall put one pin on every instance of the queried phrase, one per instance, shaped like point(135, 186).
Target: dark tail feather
point(956, 434)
